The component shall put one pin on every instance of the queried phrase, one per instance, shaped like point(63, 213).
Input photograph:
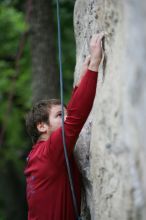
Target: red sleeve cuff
point(91, 71)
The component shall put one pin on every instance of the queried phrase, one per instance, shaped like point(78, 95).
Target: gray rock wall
point(111, 150)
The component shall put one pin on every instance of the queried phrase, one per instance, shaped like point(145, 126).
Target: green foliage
point(12, 26)
point(17, 84)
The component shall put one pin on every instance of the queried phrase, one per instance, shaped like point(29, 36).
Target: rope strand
point(62, 106)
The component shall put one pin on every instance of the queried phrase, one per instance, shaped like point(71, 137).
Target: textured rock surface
point(111, 150)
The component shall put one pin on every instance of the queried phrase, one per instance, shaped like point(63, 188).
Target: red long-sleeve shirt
point(48, 190)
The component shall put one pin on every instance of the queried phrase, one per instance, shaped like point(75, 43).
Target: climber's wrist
point(94, 65)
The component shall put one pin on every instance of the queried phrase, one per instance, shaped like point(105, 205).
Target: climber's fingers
point(96, 38)
point(100, 36)
point(96, 41)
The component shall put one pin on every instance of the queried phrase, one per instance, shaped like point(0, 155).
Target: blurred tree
point(44, 68)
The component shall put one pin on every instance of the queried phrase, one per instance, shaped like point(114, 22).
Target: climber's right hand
point(96, 51)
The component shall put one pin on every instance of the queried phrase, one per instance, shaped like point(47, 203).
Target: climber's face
point(55, 121)
point(55, 117)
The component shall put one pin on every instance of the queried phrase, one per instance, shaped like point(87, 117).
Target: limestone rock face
point(111, 150)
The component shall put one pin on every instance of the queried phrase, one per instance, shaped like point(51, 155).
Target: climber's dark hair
point(39, 113)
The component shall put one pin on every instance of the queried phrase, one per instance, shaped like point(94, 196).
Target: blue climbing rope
point(62, 106)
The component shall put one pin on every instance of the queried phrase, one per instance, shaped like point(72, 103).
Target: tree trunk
point(113, 164)
point(44, 68)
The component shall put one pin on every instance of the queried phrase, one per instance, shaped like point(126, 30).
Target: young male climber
point(48, 189)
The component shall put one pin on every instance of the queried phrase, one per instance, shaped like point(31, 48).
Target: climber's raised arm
point(80, 104)
point(92, 61)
